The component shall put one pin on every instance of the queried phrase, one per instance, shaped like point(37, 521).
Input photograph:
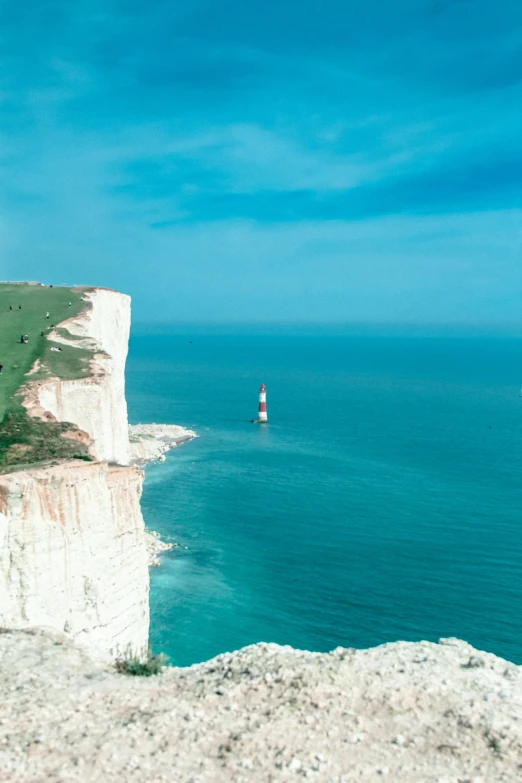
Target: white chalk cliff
point(73, 557)
point(72, 548)
point(96, 404)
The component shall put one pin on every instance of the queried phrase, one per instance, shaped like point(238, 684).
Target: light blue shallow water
point(383, 501)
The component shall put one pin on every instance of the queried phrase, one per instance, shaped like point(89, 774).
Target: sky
point(278, 161)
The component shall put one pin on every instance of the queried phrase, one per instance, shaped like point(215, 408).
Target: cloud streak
point(171, 136)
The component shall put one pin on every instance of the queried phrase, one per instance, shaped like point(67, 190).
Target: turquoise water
point(383, 501)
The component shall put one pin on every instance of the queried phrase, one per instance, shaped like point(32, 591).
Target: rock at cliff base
point(149, 442)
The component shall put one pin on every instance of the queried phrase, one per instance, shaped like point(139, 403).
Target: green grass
point(24, 440)
point(17, 358)
point(136, 668)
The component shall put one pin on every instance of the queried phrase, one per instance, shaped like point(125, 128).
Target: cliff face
point(96, 404)
point(73, 556)
point(72, 547)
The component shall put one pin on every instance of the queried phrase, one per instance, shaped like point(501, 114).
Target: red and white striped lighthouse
point(262, 416)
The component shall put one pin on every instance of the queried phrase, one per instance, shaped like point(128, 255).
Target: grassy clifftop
point(23, 311)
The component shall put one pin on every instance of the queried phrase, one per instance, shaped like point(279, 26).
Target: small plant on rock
point(137, 667)
point(493, 743)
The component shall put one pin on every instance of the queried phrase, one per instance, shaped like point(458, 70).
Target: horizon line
point(507, 328)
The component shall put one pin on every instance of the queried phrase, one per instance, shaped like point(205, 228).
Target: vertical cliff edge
point(95, 404)
point(72, 547)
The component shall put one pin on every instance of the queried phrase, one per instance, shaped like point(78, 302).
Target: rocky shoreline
point(149, 442)
point(155, 546)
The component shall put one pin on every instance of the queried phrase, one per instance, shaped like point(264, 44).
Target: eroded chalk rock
point(403, 712)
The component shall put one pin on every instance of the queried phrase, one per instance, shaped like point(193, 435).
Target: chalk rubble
point(402, 712)
point(150, 442)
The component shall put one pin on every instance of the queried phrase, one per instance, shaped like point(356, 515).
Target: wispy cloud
point(182, 133)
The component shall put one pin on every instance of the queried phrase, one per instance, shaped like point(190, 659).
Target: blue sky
point(287, 161)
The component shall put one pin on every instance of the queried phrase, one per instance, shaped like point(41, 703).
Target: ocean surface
point(383, 500)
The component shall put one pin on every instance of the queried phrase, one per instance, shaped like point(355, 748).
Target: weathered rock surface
point(407, 713)
point(96, 404)
point(73, 555)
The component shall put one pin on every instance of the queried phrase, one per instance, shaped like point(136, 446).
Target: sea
point(382, 501)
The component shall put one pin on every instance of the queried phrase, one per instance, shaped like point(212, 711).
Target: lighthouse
point(262, 417)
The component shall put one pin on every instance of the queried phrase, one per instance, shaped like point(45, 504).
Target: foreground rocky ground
point(401, 712)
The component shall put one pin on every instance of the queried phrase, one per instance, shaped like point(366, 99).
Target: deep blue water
point(383, 501)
